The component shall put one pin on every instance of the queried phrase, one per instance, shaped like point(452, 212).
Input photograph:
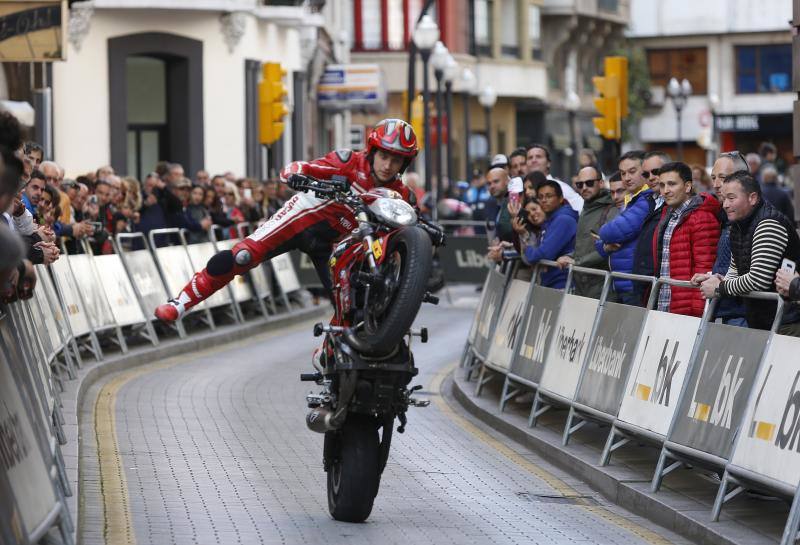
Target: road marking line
point(117, 518)
point(554, 482)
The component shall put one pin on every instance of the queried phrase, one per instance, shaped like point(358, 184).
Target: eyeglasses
point(648, 173)
point(587, 183)
point(736, 154)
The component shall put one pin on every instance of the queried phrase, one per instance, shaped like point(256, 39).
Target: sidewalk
point(684, 502)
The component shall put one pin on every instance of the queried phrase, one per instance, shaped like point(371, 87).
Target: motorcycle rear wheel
point(353, 475)
point(391, 312)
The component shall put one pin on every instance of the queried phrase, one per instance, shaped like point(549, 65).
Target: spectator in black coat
point(775, 194)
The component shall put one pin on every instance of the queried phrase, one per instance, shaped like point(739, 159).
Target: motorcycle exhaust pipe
point(320, 420)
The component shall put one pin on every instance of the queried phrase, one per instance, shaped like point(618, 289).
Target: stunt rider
point(305, 222)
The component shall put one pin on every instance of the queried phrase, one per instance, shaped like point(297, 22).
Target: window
point(371, 30)
point(691, 63)
point(535, 31)
point(763, 68)
point(395, 24)
point(483, 27)
point(509, 28)
point(610, 6)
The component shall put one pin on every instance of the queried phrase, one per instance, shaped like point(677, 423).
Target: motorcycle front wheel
point(353, 473)
point(393, 306)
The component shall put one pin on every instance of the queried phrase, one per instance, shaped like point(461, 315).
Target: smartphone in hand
point(788, 265)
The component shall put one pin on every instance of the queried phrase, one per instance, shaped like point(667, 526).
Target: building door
point(147, 114)
point(155, 102)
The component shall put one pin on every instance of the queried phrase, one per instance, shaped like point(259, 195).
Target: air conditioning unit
point(658, 94)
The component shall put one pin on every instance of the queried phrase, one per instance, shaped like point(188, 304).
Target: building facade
point(177, 80)
point(738, 57)
point(534, 53)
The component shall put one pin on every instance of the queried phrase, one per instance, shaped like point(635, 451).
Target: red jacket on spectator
point(692, 249)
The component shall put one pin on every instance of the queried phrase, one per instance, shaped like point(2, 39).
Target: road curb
point(620, 485)
point(75, 391)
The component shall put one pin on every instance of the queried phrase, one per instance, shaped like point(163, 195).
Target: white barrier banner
point(118, 290)
point(569, 346)
point(51, 305)
point(199, 255)
point(659, 369)
point(68, 290)
point(20, 457)
point(144, 278)
point(89, 283)
point(241, 289)
point(769, 439)
point(473, 329)
point(50, 325)
point(284, 273)
point(509, 325)
point(490, 305)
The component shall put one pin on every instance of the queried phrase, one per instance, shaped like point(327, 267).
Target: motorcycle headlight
point(394, 212)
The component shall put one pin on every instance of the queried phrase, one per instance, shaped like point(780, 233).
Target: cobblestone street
point(212, 447)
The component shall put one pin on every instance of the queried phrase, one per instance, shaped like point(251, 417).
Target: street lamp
point(450, 74)
point(426, 34)
point(572, 103)
point(439, 63)
point(713, 105)
point(470, 85)
point(679, 93)
point(487, 99)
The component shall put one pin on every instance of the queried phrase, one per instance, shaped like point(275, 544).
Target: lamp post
point(572, 103)
point(679, 93)
point(469, 81)
point(487, 99)
point(439, 63)
point(450, 74)
point(426, 34)
point(713, 105)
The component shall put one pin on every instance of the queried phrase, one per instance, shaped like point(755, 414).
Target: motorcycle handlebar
point(303, 182)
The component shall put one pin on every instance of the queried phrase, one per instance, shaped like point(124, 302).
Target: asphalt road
point(212, 447)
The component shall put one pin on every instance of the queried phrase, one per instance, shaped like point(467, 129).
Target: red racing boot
point(200, 287)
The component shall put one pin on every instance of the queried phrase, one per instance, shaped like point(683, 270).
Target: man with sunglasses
point(598, 209)
point(643, 259)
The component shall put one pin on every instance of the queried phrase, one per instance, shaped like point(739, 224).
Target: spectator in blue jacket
point(558, 233)
point(618, 237)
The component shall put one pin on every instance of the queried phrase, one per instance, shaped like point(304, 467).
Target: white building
point(737, 54)
point(149, 80)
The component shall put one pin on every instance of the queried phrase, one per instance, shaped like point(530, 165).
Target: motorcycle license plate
point(376, 249)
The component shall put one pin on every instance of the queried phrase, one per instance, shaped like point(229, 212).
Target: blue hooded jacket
point(558, 238)
point(624, 230)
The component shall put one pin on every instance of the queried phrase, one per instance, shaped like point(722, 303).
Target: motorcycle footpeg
point(320, 328)
point(413, 402)
point(430, 298)
point(311, 377)
point(422, 333)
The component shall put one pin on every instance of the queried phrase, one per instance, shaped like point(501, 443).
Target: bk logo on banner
point(659, 388)
point(543, 327)
point(786, 434)
point(718, 414)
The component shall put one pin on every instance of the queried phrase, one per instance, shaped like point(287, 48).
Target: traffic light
point(613, 102)
point(271, 112)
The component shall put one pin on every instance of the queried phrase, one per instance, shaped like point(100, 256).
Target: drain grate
point(557, 498)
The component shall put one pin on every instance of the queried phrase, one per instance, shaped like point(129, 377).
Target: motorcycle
point(380, 273)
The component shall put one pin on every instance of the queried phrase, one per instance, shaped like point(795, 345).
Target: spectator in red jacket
point(685, 241)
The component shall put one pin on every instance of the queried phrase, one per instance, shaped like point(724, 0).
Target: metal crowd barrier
point(84, 304)
point(718, 397)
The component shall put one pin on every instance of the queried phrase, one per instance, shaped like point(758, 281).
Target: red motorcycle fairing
point(347, 254)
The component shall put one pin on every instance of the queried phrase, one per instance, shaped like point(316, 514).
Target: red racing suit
point(305, 222)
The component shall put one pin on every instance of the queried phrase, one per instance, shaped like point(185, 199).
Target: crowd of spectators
point(45, 213)
point(724, 234)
